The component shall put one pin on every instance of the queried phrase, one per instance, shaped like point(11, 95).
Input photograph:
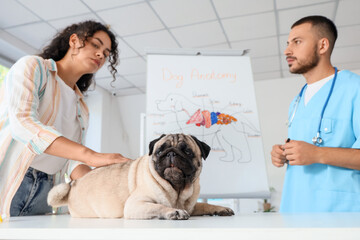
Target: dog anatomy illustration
point(226, 128)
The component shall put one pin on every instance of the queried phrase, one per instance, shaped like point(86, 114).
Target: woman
point(43, 117)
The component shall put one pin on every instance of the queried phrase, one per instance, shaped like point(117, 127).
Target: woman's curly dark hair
point(59, 46)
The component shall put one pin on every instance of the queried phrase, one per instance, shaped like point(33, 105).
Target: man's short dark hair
point(326, 28)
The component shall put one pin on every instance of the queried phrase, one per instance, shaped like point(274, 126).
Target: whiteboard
point(211, 97)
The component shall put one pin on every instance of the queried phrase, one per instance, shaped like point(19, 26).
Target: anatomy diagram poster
point(213, 99)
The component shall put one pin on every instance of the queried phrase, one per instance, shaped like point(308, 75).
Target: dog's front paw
point(178, 214)
point(224, 211)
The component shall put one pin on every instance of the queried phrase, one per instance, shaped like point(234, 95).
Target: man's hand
point(277, 157)
point(300, 153)
point(303, 153)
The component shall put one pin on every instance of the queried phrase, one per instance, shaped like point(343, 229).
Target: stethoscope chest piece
point(317, 139)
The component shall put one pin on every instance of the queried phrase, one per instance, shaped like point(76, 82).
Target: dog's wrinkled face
point(177, 158)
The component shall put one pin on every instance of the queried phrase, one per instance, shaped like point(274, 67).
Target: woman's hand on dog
point(63, 147)
point(104, 159)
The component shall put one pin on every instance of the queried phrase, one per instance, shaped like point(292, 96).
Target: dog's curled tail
point(58, 195)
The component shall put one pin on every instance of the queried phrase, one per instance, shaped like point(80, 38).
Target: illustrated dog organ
point(207, 119)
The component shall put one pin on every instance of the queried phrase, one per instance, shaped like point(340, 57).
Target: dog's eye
point(159, 152)
point(188, 152)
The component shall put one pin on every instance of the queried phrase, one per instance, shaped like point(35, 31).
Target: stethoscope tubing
point(317, 139)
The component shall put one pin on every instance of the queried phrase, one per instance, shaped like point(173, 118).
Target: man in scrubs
point(324, 175)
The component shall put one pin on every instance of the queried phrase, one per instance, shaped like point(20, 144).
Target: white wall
point(273, 98)
point(115, 137)
point(106, 129)
point(94, 100)
point(130, 108)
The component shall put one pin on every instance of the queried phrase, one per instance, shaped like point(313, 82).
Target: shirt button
point(325, 129)
point(83, 129)
point(79, 116)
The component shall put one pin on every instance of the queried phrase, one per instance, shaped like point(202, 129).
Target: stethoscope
point(317, 140)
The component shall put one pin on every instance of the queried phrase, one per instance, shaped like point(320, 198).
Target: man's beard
point(308, 65)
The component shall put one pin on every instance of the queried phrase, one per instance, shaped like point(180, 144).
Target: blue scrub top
point(320, 187)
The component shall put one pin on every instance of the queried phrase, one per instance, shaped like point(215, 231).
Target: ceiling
point(259, 25)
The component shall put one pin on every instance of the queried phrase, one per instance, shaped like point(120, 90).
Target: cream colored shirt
point(29, 104)
point(65, 122)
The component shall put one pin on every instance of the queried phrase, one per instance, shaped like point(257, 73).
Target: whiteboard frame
point(205, 52)
point(197, 52)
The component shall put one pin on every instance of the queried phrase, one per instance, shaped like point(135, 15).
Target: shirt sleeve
point(356, 113)
point(23, 83)
point(72, 165)
point(356, 125)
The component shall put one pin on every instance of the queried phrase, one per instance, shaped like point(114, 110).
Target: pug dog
point(163, 184)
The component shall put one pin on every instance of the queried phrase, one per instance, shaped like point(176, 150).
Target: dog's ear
point(204, 148)
point(152, 144)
